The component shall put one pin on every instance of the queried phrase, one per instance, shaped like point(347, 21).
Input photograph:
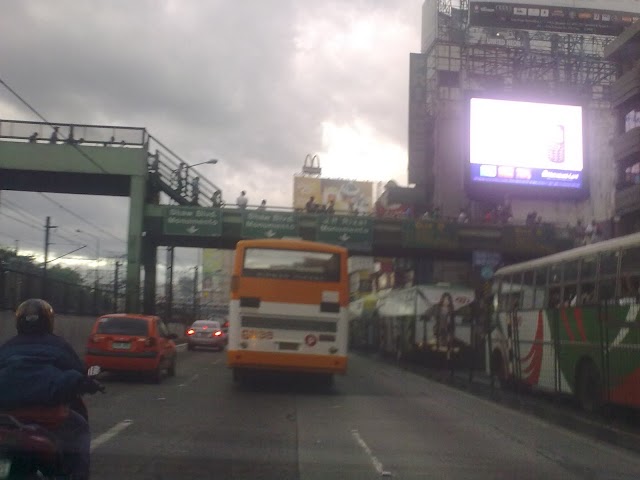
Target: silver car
point(206, 333)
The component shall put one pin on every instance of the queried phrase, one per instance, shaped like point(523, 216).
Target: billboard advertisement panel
point(563, 16)
point(525, 144)
point(348, 195)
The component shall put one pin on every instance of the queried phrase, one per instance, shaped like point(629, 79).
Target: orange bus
point(289, 308)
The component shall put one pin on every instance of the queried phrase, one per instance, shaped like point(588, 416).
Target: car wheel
point(172, 368)
point(156, 376)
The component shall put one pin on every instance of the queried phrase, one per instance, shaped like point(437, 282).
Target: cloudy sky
point(255, 83)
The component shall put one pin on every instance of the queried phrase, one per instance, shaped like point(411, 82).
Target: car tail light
point(217, 334)
point(191, 331)
point(150, 342)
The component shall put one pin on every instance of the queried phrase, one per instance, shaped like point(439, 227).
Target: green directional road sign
point(194, 221)
point(350, 231)
point(262, 224)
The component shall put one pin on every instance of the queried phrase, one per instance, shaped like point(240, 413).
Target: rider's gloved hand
point(89, 385)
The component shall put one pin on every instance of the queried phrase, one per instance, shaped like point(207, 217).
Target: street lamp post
point(213, 161)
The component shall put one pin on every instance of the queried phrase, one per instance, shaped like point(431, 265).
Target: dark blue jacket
point(38, 370)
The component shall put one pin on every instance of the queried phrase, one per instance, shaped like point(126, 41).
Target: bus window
point(607, 290)
point(555, 274)
point(608, 264)
point(540, 288)
point(571, 272)
point(587, 293)
point(570, 293)
point(570, 283)
point(528, 289)
point(554, 297)
point(630, 275)
point(588, 269)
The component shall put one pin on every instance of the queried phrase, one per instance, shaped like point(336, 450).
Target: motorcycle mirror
point(94, 371)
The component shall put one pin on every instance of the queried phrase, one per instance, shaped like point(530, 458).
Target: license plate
point(121, 345)
point(5, 468)
point(203, 334)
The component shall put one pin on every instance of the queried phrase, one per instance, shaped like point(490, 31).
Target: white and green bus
point(568, 323)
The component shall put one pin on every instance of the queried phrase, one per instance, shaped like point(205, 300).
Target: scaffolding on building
point(462, 58)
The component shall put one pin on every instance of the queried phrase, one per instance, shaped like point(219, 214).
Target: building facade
point(469, 49)
point(625, 100)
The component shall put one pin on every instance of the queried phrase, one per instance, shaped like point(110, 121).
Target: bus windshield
point(291, 265)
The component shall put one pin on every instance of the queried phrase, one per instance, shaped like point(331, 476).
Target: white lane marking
point(109, 434)
point(191, 379)
point(377, 464)
point(181, 346)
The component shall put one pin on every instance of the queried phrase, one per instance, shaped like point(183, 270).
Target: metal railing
point(164, 168)
point(17, 286)
point(72, 133)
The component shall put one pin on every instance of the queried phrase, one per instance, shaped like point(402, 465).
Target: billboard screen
point(348, 195)
point(565, 17)
point(525, 144)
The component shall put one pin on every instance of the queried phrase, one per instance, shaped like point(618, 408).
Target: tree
point(65, 274)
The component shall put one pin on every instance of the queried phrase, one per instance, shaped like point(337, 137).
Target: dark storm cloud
point(225, 79)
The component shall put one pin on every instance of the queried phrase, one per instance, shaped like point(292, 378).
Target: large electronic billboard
point(609, 17)
point(526, 144)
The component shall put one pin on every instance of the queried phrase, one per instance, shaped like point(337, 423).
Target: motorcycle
point(28, 447)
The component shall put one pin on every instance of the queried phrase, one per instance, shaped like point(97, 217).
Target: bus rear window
point(291, 265)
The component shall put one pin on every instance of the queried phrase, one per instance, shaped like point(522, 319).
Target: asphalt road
point(376, 421)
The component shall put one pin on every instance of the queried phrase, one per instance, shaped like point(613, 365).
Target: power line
point(80, 217)
point(82, 152)
point(18, 209)
point(35, 227)
point(19, 220)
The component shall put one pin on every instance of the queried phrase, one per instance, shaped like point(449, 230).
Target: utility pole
point(115, 286)
point(195, 294)
point(47, 228)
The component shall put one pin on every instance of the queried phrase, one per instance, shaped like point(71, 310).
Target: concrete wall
point(73, 328)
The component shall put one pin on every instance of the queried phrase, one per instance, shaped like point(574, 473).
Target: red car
point(123, 342)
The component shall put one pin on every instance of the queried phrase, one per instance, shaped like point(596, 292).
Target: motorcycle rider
point(40, 369)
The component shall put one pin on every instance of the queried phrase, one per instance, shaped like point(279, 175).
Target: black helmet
point(34, 316)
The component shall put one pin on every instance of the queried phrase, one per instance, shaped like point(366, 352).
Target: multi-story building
point(552, 54)
point(625, 100)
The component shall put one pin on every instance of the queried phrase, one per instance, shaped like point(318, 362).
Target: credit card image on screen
point(540, 142)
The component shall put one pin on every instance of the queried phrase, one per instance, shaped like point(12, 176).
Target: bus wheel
point(589, 386)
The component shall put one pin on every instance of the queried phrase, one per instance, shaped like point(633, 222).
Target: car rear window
point(123, 326)
point(207, 323)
